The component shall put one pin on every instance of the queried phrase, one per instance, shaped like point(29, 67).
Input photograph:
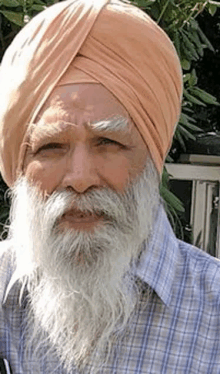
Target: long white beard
point(82, 292)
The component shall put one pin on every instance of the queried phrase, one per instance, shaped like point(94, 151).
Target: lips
point(78, 216)
point(76, 219)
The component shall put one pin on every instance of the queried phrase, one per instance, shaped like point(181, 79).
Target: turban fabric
point(105, 41)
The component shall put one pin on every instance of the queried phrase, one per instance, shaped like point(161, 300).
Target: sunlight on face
point(83, 139)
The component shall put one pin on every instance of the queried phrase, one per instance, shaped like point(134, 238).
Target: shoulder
point(198, 260)
point(201, 270)
point(6, 266)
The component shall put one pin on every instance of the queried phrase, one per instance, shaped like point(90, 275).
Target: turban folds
point(108, 41)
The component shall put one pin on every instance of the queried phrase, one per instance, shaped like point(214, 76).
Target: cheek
point(117, 172)
point(46, 176)
point(117, 175)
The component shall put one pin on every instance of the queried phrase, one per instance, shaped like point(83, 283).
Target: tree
point(179, 18)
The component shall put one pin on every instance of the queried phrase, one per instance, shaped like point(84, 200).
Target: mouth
point(79, 220)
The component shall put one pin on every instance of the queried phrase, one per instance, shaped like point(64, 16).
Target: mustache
point(113, 207)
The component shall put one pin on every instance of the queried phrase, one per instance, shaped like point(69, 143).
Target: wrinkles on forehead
point(90, 106)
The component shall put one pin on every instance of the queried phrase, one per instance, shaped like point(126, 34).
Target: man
point(93, 279)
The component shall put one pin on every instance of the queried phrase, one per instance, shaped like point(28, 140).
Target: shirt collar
point(156, 265)
point(13, 288)
point(157, 262)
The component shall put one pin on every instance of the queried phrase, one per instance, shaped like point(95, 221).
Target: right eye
point(50, 148)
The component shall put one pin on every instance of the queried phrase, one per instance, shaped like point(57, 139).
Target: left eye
point(106, 141)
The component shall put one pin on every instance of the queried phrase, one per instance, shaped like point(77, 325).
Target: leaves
point(10, 3)
point(173, 206)
point(17, 18)
point(38, 7)
point(22, 10)
point(143, 4)
point(171, 200)
point(194, 94)
point(204, 96)
point(192, 99)
point(212, 7)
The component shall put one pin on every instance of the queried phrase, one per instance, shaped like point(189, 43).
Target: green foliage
point(172, 204)
point(179, 19)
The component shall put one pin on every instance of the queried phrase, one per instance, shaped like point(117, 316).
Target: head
point(85, 127)
point(95, 44)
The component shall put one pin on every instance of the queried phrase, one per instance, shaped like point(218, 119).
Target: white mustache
point(105, 203)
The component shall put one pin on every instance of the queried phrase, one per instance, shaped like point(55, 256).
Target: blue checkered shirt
point(177, 331)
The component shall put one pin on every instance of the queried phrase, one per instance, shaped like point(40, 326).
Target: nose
point(81, 171)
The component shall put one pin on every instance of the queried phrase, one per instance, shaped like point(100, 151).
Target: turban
point(106, 41)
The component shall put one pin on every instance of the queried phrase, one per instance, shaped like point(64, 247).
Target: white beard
point(82, 292)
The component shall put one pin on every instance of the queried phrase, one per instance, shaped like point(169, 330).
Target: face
point(83, 139)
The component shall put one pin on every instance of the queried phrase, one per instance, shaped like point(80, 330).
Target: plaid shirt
point(177, 331)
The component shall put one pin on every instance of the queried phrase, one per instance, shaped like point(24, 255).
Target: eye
point(50, 147)
point(107, 141)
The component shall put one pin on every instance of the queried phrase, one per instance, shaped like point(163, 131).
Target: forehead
point(91, 100)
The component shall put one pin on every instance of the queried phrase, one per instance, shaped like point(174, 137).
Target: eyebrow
point(114, 124)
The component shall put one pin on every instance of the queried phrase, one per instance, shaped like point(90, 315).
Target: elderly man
point(93, 279)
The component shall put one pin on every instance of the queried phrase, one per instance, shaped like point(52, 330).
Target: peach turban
point(106, 41)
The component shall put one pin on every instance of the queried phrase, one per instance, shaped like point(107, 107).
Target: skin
point(66, 152)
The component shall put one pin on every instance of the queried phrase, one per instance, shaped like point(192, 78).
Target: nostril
point(69, 189)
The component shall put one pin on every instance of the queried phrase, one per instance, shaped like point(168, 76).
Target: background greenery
point(194, 27)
